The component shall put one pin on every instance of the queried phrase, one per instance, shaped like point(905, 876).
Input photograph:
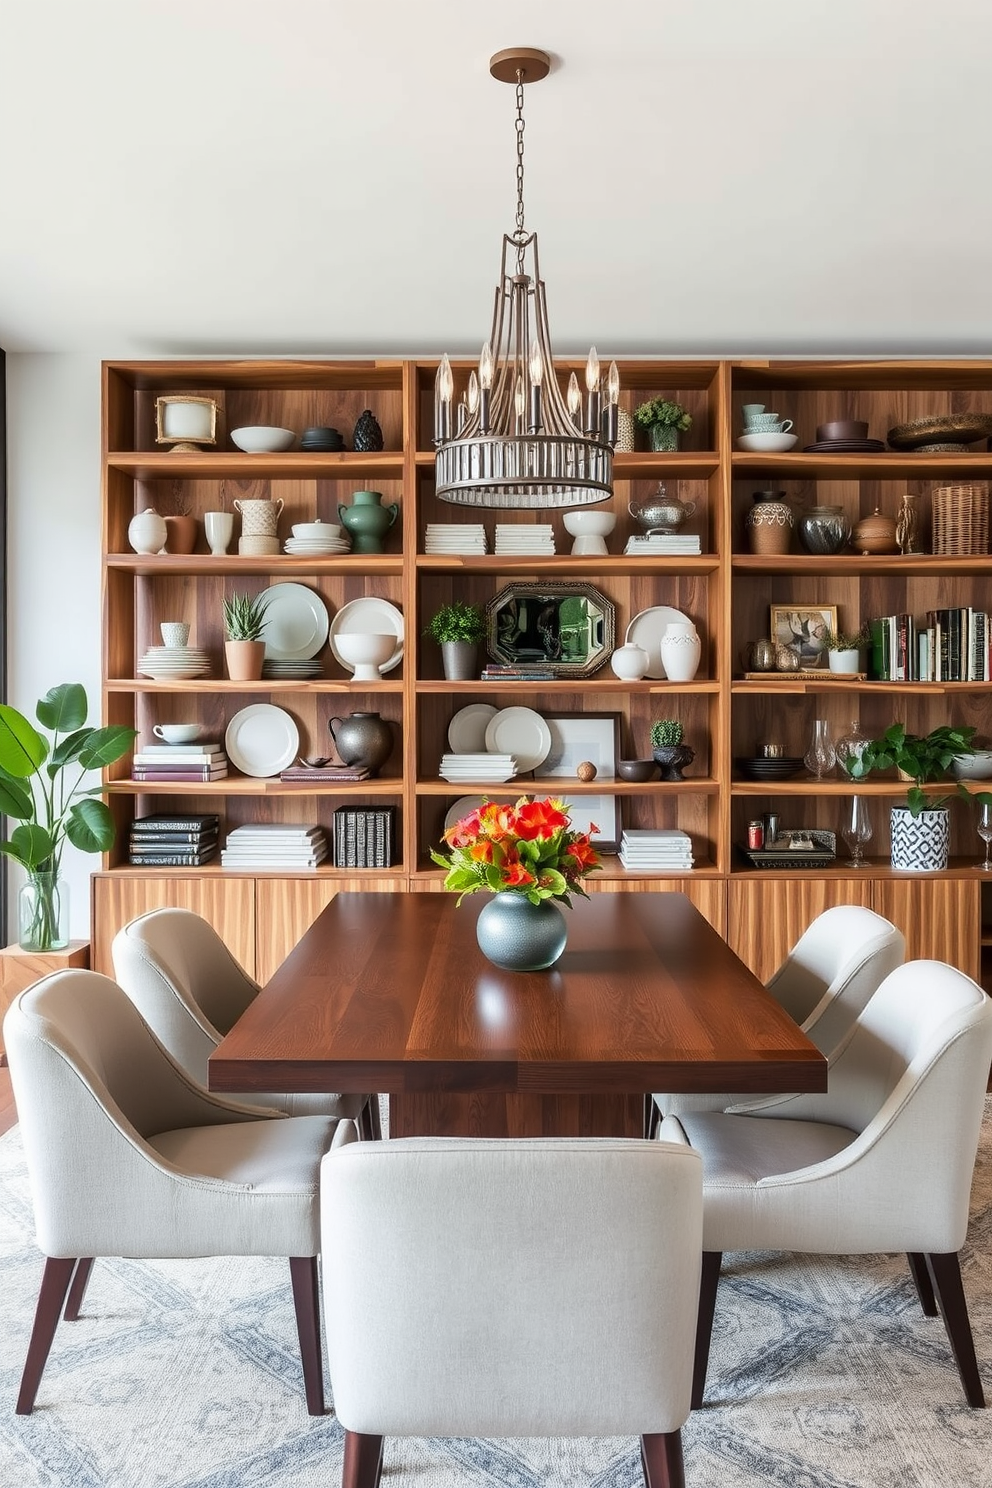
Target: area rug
point(824, 1374)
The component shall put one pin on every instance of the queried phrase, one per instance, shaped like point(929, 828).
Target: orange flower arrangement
point(528, 848)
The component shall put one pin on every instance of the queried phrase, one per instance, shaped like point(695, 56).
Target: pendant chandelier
point(513, 439)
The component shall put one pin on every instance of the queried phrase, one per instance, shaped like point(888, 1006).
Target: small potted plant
point(244, 649)
point(669, 751)
point(921, 830)
point(458, 629)
point(664, 421)
point(844, 650)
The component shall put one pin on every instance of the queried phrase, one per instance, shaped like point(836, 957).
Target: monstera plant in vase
point(921, 830)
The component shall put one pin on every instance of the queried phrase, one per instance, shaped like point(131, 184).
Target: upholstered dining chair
point(191, 991)
point(823, 983)
point(558, 1296)
point(882, 1161)
point(127, 1156)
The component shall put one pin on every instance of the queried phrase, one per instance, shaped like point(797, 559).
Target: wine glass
point(856, 830)
point(985, 832)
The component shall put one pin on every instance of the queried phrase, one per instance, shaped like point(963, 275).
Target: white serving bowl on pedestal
point(365, 652)
point(590, 529)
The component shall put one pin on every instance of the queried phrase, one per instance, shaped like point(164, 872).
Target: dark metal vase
point(673, 759)
point(520, 936)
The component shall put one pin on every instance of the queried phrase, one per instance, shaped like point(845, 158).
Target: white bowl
point(262, 439)
point(767, 444)
point(586, 523)
point(316, 530)
point(365, 651)
point(977, 766)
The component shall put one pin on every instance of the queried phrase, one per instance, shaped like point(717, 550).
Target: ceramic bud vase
point(367, 520)
point(680, 649)
point(920, 844)
point(520, 936)
point(43, 913)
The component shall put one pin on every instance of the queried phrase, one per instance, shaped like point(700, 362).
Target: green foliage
point(921, 756)
point(666, 733)
point(457, 621)
point(244, 616)
point(35, 785)
point(841, 640)
point(662, 411)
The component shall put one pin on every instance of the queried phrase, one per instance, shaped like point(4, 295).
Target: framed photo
point(599, 809)
point(595, 737)
point(804, 629)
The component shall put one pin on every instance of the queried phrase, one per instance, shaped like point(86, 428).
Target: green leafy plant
point(244, 616)
point(662, 411)
point(457, 621)
point(666, 734)
point(923, 757)
point(840, 640)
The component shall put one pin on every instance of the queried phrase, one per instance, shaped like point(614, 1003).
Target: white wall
point(53, 563)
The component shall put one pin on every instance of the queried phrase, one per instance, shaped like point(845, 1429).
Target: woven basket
point(961, 518)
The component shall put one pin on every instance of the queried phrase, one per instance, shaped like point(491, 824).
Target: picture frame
point(803, 628)
point(575, 738)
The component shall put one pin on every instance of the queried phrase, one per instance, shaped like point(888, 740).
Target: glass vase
point(850, 747)
point(821, 756)
point(43, 913)
point(663, 437)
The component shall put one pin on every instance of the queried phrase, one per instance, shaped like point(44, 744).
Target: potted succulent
point(664, 421)
point(41, 788)
point(844, 650)
point(669, 751)
point(244, 648)
point(921, 829)
point(458, 629)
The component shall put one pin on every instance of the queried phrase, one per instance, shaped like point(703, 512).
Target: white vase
point(680, 649)
point(147, 532)
point(845, 663)
point(920, 844)
point(630, 662)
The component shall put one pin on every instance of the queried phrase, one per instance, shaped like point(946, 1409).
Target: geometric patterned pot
point(920, 844)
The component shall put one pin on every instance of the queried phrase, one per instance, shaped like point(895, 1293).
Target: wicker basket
point(961, 518)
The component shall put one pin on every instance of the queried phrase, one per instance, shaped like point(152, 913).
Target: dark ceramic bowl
point(637, 770)
point(842, 429)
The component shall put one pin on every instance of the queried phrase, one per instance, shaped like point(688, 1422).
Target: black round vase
point(673, 759)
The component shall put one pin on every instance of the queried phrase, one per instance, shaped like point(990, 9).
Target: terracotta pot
point(181, 534)
point(244, 660)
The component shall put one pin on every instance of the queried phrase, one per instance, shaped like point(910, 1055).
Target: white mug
point(177, 733)
point(219, 527)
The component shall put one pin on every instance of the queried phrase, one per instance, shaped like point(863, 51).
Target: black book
point(162, 822)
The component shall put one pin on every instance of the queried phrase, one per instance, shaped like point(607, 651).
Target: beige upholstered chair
point(127, 1156)
point(557, 1297)
point(191, 991)
point(883, 1161)
point(823, 983)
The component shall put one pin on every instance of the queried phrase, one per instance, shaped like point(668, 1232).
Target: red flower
point(539, 819)
point(516, 876)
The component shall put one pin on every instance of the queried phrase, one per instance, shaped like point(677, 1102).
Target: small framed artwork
point(601, 810)
point(580, 737)
point(805, 629)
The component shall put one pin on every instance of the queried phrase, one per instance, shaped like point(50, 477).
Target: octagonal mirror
point(566, 629)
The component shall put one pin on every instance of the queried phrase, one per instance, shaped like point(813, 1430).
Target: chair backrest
point(833, 969)
point(184, 982)
point(517, 1287)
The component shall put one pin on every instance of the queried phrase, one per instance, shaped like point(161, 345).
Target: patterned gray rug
point(824, 1374)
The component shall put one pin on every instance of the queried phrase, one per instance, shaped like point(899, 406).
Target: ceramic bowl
point(637, 770)
point(842, 429)
point(586, 523)
point(316, 529)
point(977, 766)
point(365, 651)
point(262, 439)
point(767, 444)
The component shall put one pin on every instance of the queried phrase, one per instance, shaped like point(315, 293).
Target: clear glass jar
point(43, 913)
point(850, 746)
point(824, 529)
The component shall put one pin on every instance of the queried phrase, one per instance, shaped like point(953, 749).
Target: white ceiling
point(311, 176)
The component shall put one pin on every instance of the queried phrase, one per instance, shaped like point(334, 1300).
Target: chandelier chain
point(520, 233)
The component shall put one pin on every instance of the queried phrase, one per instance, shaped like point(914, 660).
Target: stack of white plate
point(279, 846)
point(168, 663)
point(292, 669)
point(481, 767)
point(455, 537)
point(663, 542)
point(316, 547)
point(651, 849)
point(519, 538)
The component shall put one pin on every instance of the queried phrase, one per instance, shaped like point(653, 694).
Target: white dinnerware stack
point(490, 768)
point(279, 846)
point(455, 537)
point(318, 545)
point(664, 542)
point(524, 539)
point(172, 663)
point(647, 849)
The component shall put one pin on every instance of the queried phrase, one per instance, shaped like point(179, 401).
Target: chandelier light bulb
point(612, 418)
point(446, 381)
point(519, 400)
point(536, 364)
point(473, 394)
point(486, 368)
point(592, 371)
point(573, 396)
point(613, 385)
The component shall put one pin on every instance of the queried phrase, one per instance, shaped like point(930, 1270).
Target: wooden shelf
point(563, 563)
point(895, 565)
point(892, 465)
point(169, 565)
point(211, 685)
point(805, 684)
point(589, 685)
point(245, 785)
point(148, 465)
point(525, 785)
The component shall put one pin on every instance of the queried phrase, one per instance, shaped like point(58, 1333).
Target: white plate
point(464, 806)
point(646, 631)
point(467, 729)
point(522, 733)
point(262, 740)
point(368, 616)
point(295, 625)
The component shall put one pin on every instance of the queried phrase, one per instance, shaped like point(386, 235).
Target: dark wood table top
point(390, 992)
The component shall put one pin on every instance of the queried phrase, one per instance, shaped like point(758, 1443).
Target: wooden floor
point(8, 1116)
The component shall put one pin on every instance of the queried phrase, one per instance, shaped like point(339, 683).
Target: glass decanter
point(821, 756)
point(850, 747)
point(856, 830)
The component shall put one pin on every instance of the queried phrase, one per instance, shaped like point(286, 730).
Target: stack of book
point(166, 841)
point(282, 847)
point(521, 673)
point(364, 836)
point(180, 762)
point(947, 646)
point(323, 774)
point(518, 539)
point(664, 542)
point(649, 849)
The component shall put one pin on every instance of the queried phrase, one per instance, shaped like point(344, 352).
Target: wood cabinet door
point(227, 903)
point(286, 907)
point(766, 914)
point(709, 895)
point(940, 917)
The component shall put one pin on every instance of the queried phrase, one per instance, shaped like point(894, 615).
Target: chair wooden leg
point(362, 1460)
point(306, 1297)
point(945, 1273)
point(924, 1286)
point(54, 1285)
point(661, 1457)
point(77, 1290)
point(708, 1282)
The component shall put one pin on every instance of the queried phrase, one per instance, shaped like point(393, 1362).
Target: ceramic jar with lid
point(661, 512)
point(147, 531)
point(824, 529)
point(769, 523)
point(875, 534)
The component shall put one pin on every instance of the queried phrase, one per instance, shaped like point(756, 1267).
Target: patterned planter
point(920, 844)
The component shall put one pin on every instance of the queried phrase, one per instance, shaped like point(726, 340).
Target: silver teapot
point(661, 512)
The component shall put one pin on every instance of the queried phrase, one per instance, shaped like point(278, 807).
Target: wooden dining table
point(390, 992)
